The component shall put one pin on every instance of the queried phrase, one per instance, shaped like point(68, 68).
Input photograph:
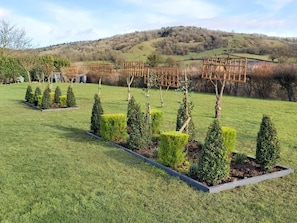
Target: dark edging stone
point(201, 186)
point(50, 109)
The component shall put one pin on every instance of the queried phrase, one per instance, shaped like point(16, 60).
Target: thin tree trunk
point(99, 87)
point(129, 82)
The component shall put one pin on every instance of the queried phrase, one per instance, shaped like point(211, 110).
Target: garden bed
point(54, 108)
point(241, 174)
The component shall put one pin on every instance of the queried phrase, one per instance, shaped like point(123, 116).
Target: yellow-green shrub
point(229, 135)
point(172, 148)
point(62, 101)
point(113, 127)
point(156, 118)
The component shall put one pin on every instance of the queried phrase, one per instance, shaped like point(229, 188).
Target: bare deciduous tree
point(12, 38)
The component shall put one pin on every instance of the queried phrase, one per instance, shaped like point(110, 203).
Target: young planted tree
point(139, 136)
point(70, 101)
point(184, 121)
point(213, 165)
point(222, 70)
point(97, 111)
point(268, 146)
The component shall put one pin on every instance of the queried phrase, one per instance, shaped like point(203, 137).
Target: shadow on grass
point(71, 133)
point(121, 156)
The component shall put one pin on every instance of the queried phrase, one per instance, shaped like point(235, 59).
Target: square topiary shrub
point(113, 127)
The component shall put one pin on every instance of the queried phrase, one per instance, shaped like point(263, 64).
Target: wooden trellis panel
point(164, 76)
point(229, 69)
point(135, 68)
point(101, 69)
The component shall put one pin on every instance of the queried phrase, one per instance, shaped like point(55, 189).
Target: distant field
point(51, 171)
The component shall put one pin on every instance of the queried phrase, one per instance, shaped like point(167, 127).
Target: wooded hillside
point(181, 43)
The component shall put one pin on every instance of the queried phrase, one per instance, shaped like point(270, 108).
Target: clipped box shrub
point(229, 135)
point(156, 118)
point(62, 101)
point(113, 127)
point(172, 148)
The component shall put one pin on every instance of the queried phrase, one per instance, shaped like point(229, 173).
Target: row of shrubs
point(49, 99)
point(137, 129)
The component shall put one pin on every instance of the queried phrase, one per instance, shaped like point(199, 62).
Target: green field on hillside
point(52, 171)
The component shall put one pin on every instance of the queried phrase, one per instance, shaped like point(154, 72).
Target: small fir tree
point(37, 93)
point(136, 126)
point(28, 93)
point(70, 101)
point(58, 93)
point(46, 99)
point(97, 111)
point(213, 165)
point(268, 146)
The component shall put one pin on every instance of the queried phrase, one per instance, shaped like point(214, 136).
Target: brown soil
point(238, 171)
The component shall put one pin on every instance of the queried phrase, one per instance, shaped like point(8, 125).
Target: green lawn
point(52, 171)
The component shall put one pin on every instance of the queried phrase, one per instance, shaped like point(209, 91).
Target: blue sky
point(63, 21)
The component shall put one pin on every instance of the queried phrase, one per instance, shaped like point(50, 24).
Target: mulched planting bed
point(248, 172)
point(54, 108)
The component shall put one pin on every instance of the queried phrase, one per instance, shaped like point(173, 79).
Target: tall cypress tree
point(97, 111)
point(268, 146)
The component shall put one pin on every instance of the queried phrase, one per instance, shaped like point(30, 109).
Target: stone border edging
point(201, 186)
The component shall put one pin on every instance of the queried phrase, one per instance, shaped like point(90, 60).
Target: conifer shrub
point(31, 99)
point(229, 135)
point(139, 132)
point(182, 118)
point(37, 93)
point(97, 111)
point(70, 101)
point(156, 118)
point(62, 101)
point(46, 99)
point(28, 92)
point(113, 127)
point(213, 165)
point(171, 150)
point(268, 146)
point(58, 93)
point(39, 100)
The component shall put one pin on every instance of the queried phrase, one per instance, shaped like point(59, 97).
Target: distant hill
point(182, 43)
